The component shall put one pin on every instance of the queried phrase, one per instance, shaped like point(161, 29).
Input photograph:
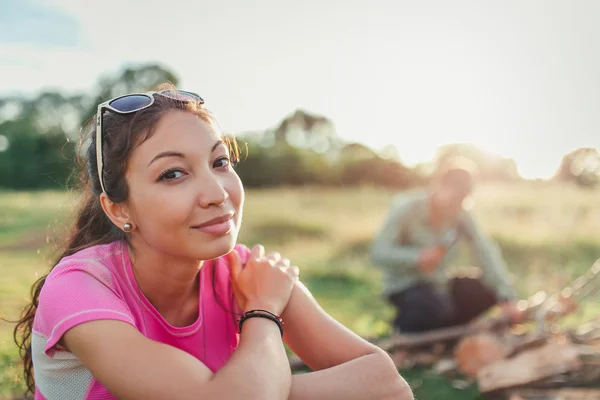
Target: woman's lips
point(217, 226)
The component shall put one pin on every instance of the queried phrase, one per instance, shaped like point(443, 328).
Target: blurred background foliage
point(39, 137)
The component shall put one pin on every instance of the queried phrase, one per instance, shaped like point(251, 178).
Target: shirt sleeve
point(73, 298)
point(489, 257)
point(387, 250)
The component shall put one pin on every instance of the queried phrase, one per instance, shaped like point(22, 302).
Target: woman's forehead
point(179, 131)
point(183, 122)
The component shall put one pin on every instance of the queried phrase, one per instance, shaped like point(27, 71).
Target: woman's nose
point(212, 193)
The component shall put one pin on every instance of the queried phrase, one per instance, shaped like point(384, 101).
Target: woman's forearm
point(259, 367)
point(368, 377)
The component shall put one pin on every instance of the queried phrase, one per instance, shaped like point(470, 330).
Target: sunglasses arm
point(99, 161)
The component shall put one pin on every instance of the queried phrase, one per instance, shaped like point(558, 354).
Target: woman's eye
point(171, 174)
point(222, 162)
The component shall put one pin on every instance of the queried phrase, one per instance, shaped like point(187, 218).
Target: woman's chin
point(219, 247)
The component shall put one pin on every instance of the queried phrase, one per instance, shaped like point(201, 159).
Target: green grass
point(548, 234)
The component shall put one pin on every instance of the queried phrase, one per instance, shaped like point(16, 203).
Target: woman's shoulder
point(100, 261)
point(82, 287)
point(222, 262)
point(243, 251)
point(220, 272)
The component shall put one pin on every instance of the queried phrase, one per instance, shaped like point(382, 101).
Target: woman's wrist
point(260, 305)
point(260, 314)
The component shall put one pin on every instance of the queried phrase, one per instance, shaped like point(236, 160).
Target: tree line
point(39, 135)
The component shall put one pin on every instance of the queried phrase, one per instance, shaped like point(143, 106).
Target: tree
point(490, 167)
point(304, 130)
point(34, 160)
point(38, 134)
point(132, 79)
point(581, 166)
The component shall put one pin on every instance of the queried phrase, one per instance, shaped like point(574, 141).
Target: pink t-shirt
point(98, 284)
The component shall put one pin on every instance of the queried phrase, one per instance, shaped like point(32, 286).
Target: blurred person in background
point(152, 298)
point(418, 241)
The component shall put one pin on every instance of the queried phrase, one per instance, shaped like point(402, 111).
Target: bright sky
point(518, 78)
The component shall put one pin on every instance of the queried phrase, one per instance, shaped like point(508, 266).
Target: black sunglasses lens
point(130, 103)
point(182, 95)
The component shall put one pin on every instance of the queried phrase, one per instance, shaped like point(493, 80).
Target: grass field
point(549, 234)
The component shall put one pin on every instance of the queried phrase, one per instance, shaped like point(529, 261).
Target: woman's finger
point(258, 251)
point(274, 256)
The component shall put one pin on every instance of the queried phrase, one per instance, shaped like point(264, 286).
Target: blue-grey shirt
point(407, 230)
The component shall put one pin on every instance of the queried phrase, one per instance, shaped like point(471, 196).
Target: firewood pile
point(513, 364)
point(532, 360)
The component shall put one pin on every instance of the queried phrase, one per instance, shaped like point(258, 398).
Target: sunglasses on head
point(131, 103)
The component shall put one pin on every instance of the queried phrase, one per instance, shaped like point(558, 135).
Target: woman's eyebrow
point(217, 143)
point(171, 153)
point(167, 154)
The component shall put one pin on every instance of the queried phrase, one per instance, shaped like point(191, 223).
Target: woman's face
point(184, 196)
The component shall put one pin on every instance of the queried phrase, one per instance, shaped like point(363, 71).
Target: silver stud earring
point(127, 227)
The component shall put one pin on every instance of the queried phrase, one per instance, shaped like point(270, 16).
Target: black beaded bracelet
point(261, 314)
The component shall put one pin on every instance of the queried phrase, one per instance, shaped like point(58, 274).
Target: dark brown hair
point(458, 172)
point(121, 135)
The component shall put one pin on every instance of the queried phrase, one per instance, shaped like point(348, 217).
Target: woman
point(144, 303)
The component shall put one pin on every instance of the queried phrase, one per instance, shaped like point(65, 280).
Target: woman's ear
point(118, 213)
